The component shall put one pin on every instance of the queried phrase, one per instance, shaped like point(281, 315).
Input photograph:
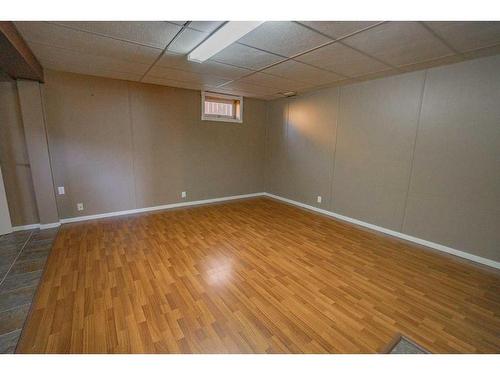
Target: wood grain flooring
point(254, 276)
point(24, 254)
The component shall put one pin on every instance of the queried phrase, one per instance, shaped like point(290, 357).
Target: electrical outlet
point(79, 206)
point(60, 190)
point(319, 199)
point(183, 194)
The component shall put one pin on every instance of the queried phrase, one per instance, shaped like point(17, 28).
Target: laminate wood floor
point(254, 276)
point(22, 257)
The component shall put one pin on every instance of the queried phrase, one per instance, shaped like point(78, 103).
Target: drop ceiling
point(276, 57)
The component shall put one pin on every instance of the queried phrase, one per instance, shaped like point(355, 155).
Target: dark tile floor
point(406, 346)
point(22, 258)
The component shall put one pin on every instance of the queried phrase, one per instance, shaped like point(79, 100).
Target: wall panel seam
point(337, 127)
point(412, 162)
point(287, 125)
point(44, 114)
point(283, 189)
point(30, 146)
point(267, 152)
point(132, 143)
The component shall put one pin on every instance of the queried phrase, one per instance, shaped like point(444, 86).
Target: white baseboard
point(50, 225)
point(133, 211)
point(433, 245)
point(35, 226)
point(156, 208)
point(403, 236)
point(26, 227)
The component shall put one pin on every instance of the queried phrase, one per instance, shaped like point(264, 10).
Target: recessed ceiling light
point(226, 35)
point(288, 93)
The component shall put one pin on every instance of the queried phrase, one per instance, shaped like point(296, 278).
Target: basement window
point(221, 107)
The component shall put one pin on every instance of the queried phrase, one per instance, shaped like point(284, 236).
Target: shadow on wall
point(134, 145)
point(14, 159)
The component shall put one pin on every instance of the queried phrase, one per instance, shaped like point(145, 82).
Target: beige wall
point(276, 172)
point(14, 159)
point(376, 136)
point(454, 195)
point(33, 116)
point(90, 143)
point(118, 145)
point(301, 145)
point(311, 143)
point(418, 153)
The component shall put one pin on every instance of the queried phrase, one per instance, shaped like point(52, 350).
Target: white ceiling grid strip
point(276, 57)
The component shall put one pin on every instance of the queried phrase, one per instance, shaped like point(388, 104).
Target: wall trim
point(25, 227)
point(50, 225)
point(35, 226)
point(433, 245)
point(156, 208)
point(134, 211)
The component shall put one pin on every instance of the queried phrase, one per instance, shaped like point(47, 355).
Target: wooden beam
point(16, 58)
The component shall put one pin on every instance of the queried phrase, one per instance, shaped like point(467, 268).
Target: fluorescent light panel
point(226, 35)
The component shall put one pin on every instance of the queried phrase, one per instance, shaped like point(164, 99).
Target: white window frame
point(205, 117)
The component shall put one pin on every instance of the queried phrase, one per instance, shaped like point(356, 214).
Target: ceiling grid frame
point(110, 62)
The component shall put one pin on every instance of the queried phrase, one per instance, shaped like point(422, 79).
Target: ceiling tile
point(343, 60)
point(376, 75)
point(271, 97)
point(205, 26)
point(181, 75)
point(278, 83)
point(483, 52)
point(67, 59)
point(207, 67)
point(187, 41)
point(236, 89)
point(283, 37)
point(432, 63)
point(468, 35)
point(79, 41)
point(399, 43)
point(250, 88)
point(172, 83)
point(89, 69)
point(232, 91)
point(152, 33)
point(180, 23)
point(338, 29)
point(301, 72)
point(245, 57)
point(173, 60)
